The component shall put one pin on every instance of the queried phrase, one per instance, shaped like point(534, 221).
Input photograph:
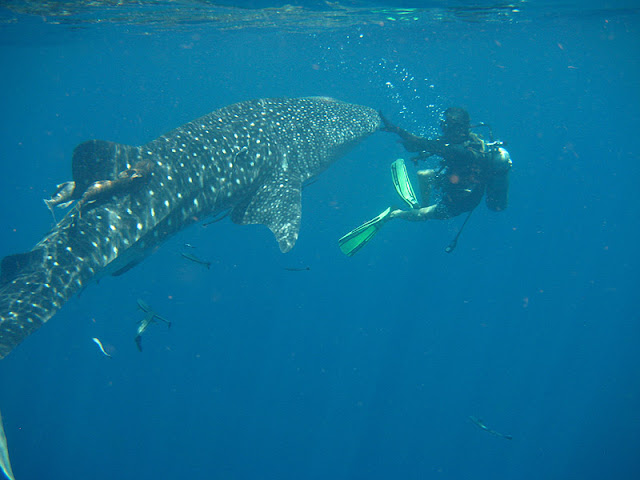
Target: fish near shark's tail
point(98, 160)
point(35, 284)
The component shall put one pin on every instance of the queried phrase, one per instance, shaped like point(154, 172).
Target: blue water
point(358, 368)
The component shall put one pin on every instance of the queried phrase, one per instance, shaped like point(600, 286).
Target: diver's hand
point(411, 143)
point(421, 156)
point(387, 126)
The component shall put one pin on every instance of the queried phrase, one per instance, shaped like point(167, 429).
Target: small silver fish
point(195, 259)
point(481, 424)
point(150, 316)
point(5, 464)
point(99, 343)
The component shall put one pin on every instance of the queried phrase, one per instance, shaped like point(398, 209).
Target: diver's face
point(455, 132)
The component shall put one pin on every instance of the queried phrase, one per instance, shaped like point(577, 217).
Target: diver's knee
point(414, 215)
point(427, 173)
point(396, 214)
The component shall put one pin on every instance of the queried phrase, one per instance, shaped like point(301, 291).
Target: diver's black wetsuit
point(469, 168)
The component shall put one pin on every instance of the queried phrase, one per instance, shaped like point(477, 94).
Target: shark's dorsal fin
point(277, 203)
point(13, 265)
point(98, 160)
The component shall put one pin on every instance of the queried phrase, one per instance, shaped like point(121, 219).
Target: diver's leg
point(416, 214)
point(425, 183)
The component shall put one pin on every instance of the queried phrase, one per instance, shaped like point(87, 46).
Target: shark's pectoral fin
point(98, 160)
point(276, 204)
point(127, 267)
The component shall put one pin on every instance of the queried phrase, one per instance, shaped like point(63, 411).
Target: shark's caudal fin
point(30, 295)
point(250, 158)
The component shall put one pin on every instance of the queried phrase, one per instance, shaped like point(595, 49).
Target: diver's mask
point(455, 131)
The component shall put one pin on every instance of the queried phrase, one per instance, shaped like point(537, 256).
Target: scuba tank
point(497, 196)
point(497, 193)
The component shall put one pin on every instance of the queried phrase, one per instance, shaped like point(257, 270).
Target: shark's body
point(251, 157)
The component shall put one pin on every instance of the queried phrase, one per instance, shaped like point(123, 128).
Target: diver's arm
point(411, 142)
point(414, 143)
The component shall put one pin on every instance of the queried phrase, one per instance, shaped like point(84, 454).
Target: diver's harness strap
point(452, 246)
point(490, 148)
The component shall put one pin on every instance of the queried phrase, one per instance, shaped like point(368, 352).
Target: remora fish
point(194, 259)
point(149, 317)
point(481, 424)
point(99, 343)
point(5, 464)
point(250, 157)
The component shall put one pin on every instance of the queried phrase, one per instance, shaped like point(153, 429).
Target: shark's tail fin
point(96, 160)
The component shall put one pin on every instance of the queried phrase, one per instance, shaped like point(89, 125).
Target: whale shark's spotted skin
point(251, 157)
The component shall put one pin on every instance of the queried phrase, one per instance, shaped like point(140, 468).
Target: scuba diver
point(469, 168)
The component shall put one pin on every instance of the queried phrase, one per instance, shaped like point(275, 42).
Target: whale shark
point(250, 159)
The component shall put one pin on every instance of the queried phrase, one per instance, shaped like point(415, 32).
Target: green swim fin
point(403, 184)
point(358, 237)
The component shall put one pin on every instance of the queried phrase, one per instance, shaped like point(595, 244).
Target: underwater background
point(311, 364)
